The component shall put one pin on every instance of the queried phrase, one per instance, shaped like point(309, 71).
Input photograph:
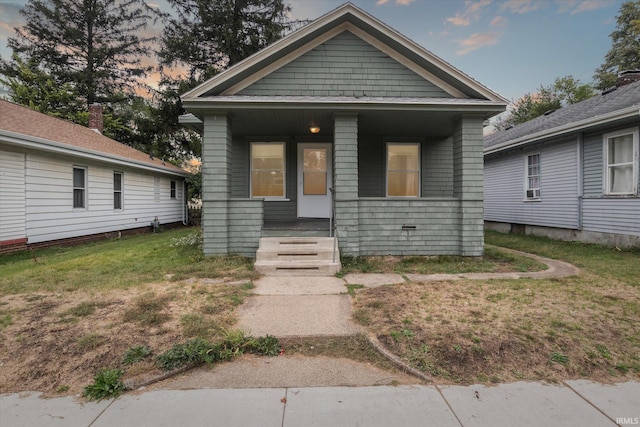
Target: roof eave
point(28, 141)
point(565, 129)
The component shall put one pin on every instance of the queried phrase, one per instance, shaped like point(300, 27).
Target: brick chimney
point(95, 117)
point(628, 77)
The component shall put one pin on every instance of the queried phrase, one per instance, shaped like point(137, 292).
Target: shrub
point(106, 384)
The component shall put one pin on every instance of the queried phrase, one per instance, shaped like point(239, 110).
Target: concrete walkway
point(575, 403)
point(321, 391)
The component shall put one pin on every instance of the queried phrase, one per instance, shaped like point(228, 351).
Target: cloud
point(398, 2)
point(498, 21)
point(477, 41)
point(579, 6)
point(471, 12)
point(521, 6)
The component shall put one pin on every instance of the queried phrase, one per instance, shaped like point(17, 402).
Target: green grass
point(116, 264)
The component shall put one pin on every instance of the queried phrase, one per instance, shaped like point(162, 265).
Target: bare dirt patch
point(55, 342)
point(508, 330)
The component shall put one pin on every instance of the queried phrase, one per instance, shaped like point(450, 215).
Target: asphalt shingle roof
point(618, 99)
point(24, 121)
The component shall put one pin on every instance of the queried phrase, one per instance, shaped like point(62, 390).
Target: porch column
point(216, 181)
point(468, 182)
point(345, 182)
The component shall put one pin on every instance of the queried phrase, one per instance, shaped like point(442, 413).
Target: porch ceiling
point(386, 123)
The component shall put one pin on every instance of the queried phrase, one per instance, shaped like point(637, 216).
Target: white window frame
point(606, 166)
point(419, 170)
point(535, 192)
point(84, 189)
point(119, 192)
point(283, 197)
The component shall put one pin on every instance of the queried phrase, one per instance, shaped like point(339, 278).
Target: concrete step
point(280, 256)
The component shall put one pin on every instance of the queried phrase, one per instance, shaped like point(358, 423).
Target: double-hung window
point(172, 192)
point(621, 163)
point(532, 177)
point(268, 170)
point(117, 190)
point(79, 187)
point(403, 169)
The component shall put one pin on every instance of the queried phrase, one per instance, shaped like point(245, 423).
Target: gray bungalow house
point(572, 173)
point(344, 124)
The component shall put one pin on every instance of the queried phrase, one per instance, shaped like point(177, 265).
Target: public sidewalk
point(575, 403)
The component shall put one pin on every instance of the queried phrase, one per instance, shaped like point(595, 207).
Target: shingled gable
point(227, 86)
point(23, 126)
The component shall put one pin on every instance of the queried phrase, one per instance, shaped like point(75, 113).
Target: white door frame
point(314, 206)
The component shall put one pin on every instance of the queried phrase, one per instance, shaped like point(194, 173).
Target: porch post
point(468, 183)
point(216, 179)
point(345, 181)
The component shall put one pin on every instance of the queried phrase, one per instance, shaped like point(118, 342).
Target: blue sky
point(511, 46)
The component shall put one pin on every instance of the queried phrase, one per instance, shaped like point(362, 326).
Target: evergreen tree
point(93, 45)
point(624, 54)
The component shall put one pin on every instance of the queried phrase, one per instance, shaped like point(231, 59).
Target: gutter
point(22, 140)
point(567, 128)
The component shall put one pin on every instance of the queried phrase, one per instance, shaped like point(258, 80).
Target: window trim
point(534, 197)
point(386, 169)
point(634, 161)
point(284, 171)
point(120, 192)
point(84, 189)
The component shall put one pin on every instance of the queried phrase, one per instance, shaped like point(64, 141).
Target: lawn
point(467, 331)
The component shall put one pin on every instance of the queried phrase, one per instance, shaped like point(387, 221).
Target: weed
point(136, 354)
point(559, 357)
point(351, 289)
point(603, 350)
point(106, 384)
point(193, 351)
point(362, 316)
point(62, 389)
point(264, 346)
point(82, 309)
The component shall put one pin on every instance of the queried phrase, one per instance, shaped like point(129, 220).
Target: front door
point(314, 180)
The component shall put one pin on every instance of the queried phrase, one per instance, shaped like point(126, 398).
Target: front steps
point(298, 256)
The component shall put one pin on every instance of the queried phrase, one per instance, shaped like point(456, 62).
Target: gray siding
point(344, 66)
point(558, 204)
point(437, 229)
point(609, 215)
point(245, 225)
point(592, 165)
point(437, 168)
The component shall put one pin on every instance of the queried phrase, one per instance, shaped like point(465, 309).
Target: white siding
point(12, 196)
point(49, 205)
point(558, 204)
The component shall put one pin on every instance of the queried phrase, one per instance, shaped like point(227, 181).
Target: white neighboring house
point(60, 180)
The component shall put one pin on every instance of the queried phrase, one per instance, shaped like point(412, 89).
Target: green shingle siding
point(344, 66)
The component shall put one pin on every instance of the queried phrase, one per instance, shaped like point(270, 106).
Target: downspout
point(580, 177)
point(185, 206)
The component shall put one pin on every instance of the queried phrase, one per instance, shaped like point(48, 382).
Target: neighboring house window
point(79, 187)
point(117, 190)
point(621, 162)
point(267, 170)
point(403, 170)
point(173, 190)
point(532, 178)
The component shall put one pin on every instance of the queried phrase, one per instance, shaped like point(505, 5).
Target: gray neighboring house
point(343, 122)
point(571, 173)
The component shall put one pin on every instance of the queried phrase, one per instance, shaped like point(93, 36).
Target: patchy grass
point(494, 260)
point(467, 331)
point(117, 264)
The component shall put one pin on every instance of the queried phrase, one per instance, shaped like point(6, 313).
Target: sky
point(511, 46)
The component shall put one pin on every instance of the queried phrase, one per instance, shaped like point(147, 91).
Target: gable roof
point(22, 126)
point(345, 18)
point(620, 103)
